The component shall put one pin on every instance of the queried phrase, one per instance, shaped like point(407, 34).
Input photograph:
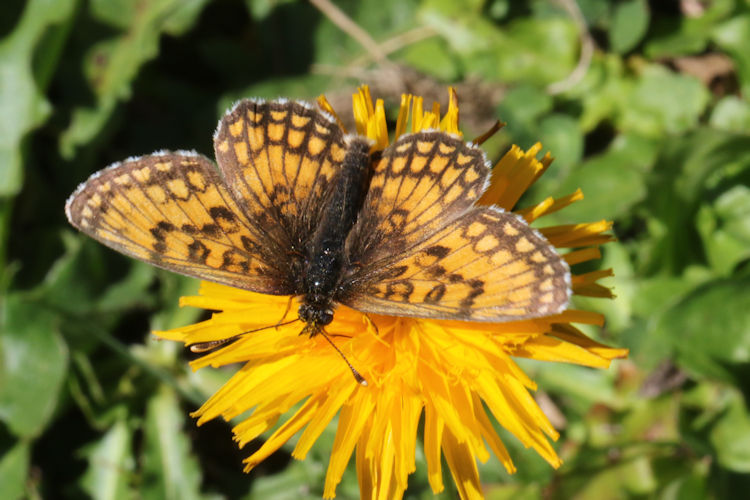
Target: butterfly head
point(316, 317)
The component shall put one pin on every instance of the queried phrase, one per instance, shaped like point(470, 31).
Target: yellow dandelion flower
point(451, 372)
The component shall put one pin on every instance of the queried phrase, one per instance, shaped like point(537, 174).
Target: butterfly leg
point(286, 311)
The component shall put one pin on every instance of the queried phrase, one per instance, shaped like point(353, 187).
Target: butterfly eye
point(325, 317)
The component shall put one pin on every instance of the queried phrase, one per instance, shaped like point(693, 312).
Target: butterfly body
point(298, 208)
point(325, 263)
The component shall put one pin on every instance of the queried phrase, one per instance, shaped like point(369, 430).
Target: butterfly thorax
point(325, 260)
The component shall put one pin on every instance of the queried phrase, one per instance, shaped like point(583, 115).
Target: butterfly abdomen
point(326, 253)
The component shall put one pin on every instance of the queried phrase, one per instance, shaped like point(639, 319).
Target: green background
point(653, 127)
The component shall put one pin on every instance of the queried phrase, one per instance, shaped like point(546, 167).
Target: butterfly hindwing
point(172, 210)
point(487, 265)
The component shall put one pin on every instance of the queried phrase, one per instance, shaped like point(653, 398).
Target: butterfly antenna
point(201, 347)
point(357, 376)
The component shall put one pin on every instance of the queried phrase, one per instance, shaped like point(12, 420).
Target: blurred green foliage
point(645, 105)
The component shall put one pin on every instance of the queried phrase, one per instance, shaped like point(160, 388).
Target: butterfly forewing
point(280, 160)
point(421, 183)
point(172, 210)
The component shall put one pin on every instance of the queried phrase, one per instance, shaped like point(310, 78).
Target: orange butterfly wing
point(280, 160)
point(172, 210)
point(246, 224)
point(431, 253)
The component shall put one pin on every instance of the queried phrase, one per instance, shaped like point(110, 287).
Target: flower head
point(451, 372)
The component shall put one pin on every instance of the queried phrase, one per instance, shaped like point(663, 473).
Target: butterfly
point(297, 207)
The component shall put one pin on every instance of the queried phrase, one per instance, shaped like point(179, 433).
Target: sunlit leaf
point(14, 469)
point(23, 106)
point(621, 169)
point(725, 229)
point(629, 24)
point(731, 436)
point(110, 471)
point(170, 472)
point(663, 102)
point(686, 169)
point(678, 35)
point(710, 328)
point(731, 113)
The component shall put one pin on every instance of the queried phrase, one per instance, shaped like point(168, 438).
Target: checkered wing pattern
point(420, 247)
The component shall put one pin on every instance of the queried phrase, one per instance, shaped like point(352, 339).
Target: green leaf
point(730, 436)
point(524, 104)
point(734, 37)
point(537, 50)
point(498, 9)
point(629, 24)
point(522, 109)
point(688, 168)
point(658, 294)
point(169, 469)
point(663, 102)
point(117, 13)
point(692, 486)
point(731, 113)
point(178, 16)
point(260, 9)
point(710, 329)
point(33, 364)
point(628, 477)
point(603, 92)
point(534, 50)
point(330, 44)
point(725, 229)
point(581, 385)
point(111, 464)
point(652, 299)
point(14, 470)
point(595, 12)
point(129, 291)
point(461, 25)
point(184, 16)
point(431, 57)
point(22, 103)
point(654, 103)
point(64, 289)
point(676, 35)
point(293, 483)
point(562, 135)
point(612, 182)
point(112, 65)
